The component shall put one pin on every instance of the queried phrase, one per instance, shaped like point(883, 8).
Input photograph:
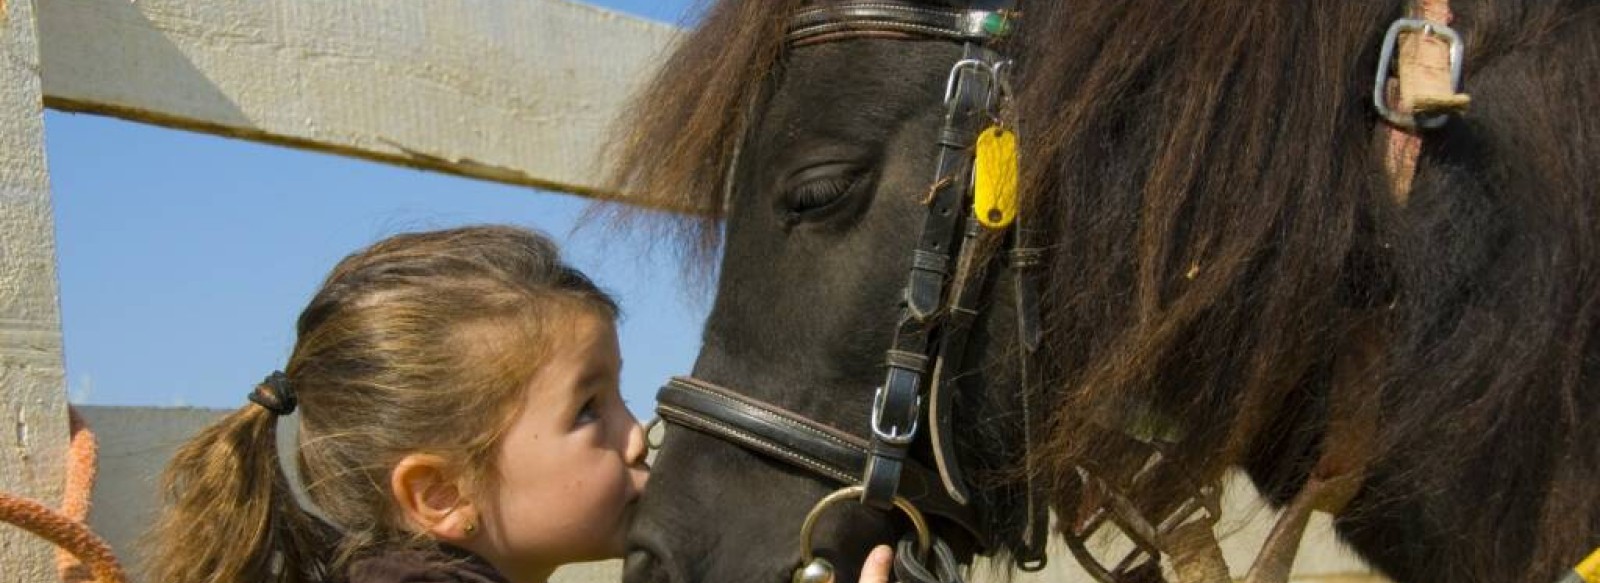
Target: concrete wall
point(136, 442)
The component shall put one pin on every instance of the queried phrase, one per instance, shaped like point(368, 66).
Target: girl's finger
point(879, 563)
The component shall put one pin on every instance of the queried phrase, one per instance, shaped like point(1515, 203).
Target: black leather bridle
point(953, 260)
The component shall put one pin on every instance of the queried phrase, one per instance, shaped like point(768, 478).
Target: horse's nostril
point(642, 567)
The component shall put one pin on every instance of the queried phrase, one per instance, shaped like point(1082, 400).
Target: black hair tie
point(274, 394)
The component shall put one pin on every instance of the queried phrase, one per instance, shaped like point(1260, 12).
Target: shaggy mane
point(1209, 175)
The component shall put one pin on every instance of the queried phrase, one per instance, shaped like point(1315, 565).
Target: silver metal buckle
point(893, 436)
point(1380, 82)
point(996, 75)
point(978, 66)
point(982, 24)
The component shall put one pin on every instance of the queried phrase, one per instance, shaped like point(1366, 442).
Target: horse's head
point(1230, 279)
point(825, 205)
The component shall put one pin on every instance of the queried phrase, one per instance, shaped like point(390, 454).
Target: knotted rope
point(81, 556)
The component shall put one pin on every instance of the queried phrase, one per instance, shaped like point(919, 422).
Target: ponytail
point(228, 514)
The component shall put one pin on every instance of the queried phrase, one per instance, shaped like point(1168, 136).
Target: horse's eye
point(816, 194)
point(819, 187)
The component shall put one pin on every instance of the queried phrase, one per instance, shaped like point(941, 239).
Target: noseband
point(950, 265)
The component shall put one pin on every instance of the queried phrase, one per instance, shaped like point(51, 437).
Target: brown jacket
point(447, 565)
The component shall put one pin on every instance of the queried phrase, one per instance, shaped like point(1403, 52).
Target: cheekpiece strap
point(898, 404)
point(274, 394)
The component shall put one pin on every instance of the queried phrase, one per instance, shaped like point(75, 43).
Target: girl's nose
point(638, 452)
point(637, 447)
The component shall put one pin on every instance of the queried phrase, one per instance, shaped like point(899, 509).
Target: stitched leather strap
point(1025, 261)
point(801, 442)
point(892, 19)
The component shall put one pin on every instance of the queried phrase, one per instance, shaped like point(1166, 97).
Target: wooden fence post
point(33, 400)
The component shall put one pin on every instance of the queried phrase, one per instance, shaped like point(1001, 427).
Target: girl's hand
point(880, 562)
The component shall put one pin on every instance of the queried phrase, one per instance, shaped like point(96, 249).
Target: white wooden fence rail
point(515, 91)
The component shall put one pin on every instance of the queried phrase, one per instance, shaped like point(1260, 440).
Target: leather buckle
point(1380, 82)
point(893, 435)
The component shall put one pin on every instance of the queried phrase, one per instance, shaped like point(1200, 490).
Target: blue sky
point(184, 258)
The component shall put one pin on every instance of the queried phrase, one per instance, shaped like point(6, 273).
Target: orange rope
point(81, 555)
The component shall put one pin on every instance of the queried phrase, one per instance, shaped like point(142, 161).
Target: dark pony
point(1222, 238)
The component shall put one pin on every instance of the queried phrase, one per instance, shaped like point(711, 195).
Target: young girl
point(459, 420)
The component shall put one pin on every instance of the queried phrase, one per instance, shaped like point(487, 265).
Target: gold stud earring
point(469, 529)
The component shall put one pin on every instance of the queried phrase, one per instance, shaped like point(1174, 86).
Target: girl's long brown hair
point(391, 359)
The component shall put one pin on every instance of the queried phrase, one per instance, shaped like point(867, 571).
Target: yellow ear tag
point(994, 180)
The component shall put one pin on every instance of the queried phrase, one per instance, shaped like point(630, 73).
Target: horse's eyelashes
point(818, 193)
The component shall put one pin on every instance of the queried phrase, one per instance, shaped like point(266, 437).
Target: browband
point(793, 439)
point(878, 17)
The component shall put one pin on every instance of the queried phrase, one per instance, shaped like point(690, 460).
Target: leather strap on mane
point(1425, 86)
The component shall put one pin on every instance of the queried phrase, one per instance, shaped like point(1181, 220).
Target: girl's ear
point(429, 497)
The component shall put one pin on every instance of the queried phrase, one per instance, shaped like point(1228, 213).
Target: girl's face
point(571, 464)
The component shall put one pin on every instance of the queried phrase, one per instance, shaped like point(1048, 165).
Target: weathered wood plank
point(33, 415)
point(516, 91)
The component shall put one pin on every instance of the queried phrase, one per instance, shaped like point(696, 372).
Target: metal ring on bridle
point(924, 535)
